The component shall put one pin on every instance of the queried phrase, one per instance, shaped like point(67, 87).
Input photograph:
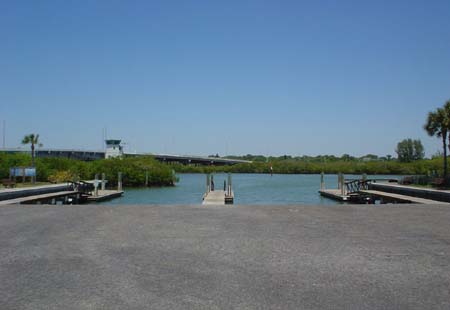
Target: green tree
point(347, 157)
point(409, 150)
point(33, 140)
point(438, 125)
point(419, 151)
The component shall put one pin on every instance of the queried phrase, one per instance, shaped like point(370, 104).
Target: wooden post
point(146, 177)
point(119, 181)
point(103, 181)
point(229, 184)
point(207, 183)
point(339, 180)
point(322, 181)
point(96, 185)
point(342, 184)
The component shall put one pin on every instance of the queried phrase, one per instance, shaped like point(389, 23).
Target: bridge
point(200, 160)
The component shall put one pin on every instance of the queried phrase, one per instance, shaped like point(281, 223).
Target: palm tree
point(33, 140)
point(438, 125)
point(447, 112)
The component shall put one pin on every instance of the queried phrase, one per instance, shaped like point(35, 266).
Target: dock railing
point(355, 186)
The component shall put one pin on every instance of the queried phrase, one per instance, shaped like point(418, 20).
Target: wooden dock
point(104, 195)
point(218, 198)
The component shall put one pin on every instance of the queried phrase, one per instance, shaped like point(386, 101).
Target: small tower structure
point(113, 148)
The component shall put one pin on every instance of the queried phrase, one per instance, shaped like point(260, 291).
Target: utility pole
point(103, 139)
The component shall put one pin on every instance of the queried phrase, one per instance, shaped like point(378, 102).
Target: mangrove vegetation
point(137, 171)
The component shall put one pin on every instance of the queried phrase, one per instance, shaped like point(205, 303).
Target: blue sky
point(227, 77)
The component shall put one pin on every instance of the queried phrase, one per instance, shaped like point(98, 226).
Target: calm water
point(248, 189)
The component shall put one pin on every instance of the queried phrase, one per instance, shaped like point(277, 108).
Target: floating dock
point(218, 197)
point(335, 194)
point(104, 195)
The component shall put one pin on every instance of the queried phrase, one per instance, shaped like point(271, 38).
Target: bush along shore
point(136, 171)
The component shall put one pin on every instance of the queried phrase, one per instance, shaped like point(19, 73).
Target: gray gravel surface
point(225, 257)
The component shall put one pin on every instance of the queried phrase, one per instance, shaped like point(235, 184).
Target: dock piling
point(103, 181)
point(119, 181)
point(342, 184)
point(322, 181)
point(229, 184)
point(208, 183)
point(96, 185)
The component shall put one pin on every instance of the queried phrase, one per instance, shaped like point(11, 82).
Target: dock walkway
point(217, 197)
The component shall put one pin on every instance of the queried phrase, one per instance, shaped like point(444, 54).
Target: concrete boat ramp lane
point(225, 257)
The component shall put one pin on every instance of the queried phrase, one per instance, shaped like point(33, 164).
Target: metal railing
point(355, 186)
